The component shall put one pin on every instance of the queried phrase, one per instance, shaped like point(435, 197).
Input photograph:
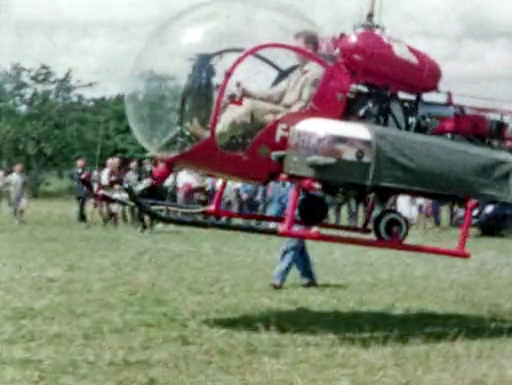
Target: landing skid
point(289, 227)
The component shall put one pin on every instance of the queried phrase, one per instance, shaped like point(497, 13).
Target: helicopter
point(357, 136)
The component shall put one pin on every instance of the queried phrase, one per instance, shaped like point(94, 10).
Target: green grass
point(189, 306)
point(55, 187)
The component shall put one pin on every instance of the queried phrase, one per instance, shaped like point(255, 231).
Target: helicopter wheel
point(390, 225)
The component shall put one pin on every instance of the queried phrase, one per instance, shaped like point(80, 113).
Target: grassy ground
point(187, 306)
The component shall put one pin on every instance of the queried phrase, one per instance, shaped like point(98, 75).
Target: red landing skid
point(288, 227)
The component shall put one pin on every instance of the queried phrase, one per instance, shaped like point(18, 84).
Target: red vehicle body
point(366, 57)
point(374, 58)
point(465, 125)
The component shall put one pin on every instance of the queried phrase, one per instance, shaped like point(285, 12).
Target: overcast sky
point(99, 39)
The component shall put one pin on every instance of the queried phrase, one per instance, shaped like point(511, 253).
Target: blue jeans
point(249, 206)
point(353, 212)
point(436, 212)
point(294, 252)
point(277, 203)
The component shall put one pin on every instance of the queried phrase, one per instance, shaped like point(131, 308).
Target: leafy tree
point(46, 124)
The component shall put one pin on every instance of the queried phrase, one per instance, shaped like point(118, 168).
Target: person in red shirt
point(160, 172)
point(153, 188)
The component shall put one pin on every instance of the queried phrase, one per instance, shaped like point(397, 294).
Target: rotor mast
point(370, 23)
point(370, 16)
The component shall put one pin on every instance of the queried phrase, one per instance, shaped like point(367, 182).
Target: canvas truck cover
point(361, 154)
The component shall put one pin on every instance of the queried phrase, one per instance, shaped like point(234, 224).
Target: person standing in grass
point(80, 176)
point(3, 183)
point(294, 251)
point(131, 179)
point(16, 183)
point(248, 198)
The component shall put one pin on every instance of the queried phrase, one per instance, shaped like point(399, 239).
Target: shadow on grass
point(320, 286)
point(495, 238)
point(331, 286)
point(371, 328)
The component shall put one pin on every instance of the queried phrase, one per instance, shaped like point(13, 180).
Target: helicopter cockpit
point(188, 77)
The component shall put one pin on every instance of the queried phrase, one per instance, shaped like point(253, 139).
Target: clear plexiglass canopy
point(175, 77)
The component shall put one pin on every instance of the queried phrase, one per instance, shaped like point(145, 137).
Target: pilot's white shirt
point(291, 95)
point(297, 90)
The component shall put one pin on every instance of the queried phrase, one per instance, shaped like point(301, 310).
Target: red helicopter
point(366, 116)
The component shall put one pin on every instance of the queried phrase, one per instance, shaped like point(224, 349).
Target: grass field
point(187, 306)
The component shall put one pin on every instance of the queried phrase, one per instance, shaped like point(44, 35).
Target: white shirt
point(297, 90)
point(188, 177)
point(3, 178)
point(170, 181)
point(229, 191)
point(95, 179)
point(131, 178)
point(211, 183)
point(105, 177)
point(16, 184)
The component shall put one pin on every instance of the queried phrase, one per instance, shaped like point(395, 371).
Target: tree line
point(47, 123)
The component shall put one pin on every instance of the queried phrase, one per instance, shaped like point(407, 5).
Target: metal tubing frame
point(288, 230)
point(215, 210)
point(289, 225)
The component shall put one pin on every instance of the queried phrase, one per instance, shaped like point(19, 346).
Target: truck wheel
point(390, 225)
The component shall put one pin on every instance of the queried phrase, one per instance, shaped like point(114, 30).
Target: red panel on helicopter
point(471, 125)
point(378, 59)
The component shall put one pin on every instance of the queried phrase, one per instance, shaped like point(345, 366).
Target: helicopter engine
point(379, 60)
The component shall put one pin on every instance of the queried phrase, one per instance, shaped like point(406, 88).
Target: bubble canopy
point(175, 77)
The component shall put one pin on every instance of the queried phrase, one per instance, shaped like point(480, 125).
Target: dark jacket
point(79, 177)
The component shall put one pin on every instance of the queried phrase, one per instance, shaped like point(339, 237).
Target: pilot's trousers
point(232, 120)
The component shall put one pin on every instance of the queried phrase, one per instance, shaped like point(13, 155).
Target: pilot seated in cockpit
point(291, 95)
